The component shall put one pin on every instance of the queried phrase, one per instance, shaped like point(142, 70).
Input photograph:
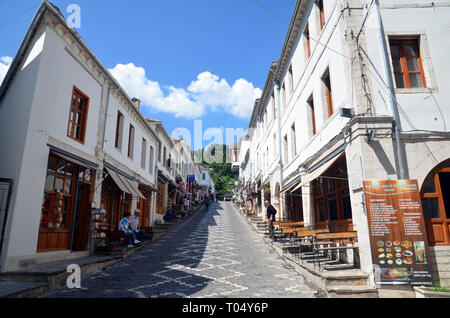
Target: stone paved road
point(213, 254)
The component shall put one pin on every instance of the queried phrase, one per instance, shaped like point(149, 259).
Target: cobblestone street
point(213, 254)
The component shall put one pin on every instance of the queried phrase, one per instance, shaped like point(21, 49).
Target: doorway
point(435, 195)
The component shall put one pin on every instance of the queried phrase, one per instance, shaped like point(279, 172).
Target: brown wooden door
point(57, 206)
point(80, 238)
point(436, 206)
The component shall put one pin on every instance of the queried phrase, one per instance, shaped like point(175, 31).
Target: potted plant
point(432, 292)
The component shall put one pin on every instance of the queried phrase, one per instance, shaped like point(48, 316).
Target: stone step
point(13, 289)
point(351, 278)
point(352, 292)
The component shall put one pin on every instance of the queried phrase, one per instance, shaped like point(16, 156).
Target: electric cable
point(19, 15)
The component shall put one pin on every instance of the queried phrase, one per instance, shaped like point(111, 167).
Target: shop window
point(435, 196)
point(57, 205)
point(407, 63)
point(79, 105)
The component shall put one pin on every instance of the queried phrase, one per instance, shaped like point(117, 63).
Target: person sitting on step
point(125, 227)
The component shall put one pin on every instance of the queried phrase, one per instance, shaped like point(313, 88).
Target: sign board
point(397, 232)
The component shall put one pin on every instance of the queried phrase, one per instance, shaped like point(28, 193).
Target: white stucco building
point(73, 142)
point(332, 61)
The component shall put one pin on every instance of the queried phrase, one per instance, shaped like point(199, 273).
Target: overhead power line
point(309, 37)
point(19, 15)
point(271, 12)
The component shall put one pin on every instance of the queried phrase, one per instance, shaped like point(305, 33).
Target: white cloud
point(208, 91)
point(238, 99)
point(5, 62)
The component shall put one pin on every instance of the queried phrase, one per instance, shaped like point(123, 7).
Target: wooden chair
point(326, 242)
point(306, 238)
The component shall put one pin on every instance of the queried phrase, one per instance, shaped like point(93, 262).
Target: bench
point(114, 239)
point(148, 233)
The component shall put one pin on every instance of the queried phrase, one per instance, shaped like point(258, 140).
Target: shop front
point(294, 206)
point(65, 214)
point(160, 194)
point(330, 196)
point(144, 206)
point(118, 190)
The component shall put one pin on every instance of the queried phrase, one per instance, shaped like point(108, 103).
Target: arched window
point(436, 204)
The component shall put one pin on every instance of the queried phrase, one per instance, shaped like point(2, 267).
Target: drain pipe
point(280, 139)
point(397, 124)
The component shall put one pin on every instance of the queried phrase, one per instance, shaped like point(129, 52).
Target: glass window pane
point(59, 185)
point(444, 180)
point(415, 80)
point(78, 118)
point(413, 65)
point(430, 208)
point(80, 104)
point(66, 203)
point(410, 49)
point(87, 176)
point(397, 65)
point(71, 116)
point(321, 211)
point(64, 219)
point(74, 100)
point(68, 186)
point(333, 209)
point(394, 50)
point(347, 207)
point(70, 133)
point(399, 82)
point(52, 161)
point(49, 181)
point(77, 132)
point(70, 169)
point(80, 173)
point(61, 167)
point(46, 201)
point(429, 186)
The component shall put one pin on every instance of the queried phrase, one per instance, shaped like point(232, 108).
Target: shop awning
point(73, 159)
point(292, 185)
point(135, 187)
point(148, 186)
point(316, 173)
point(115, 176)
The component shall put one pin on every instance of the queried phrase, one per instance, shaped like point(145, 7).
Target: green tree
point(224, 179)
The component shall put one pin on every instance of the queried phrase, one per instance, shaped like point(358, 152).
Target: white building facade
point(333, 60)
point(80, 144)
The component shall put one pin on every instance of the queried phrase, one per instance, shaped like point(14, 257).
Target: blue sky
point(197, 59)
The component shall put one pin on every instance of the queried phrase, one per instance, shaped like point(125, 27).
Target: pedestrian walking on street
point(271, 212)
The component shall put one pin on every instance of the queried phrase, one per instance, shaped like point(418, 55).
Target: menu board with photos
point(397, 232)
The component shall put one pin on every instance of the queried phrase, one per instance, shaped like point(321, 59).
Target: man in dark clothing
point(271, 212)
